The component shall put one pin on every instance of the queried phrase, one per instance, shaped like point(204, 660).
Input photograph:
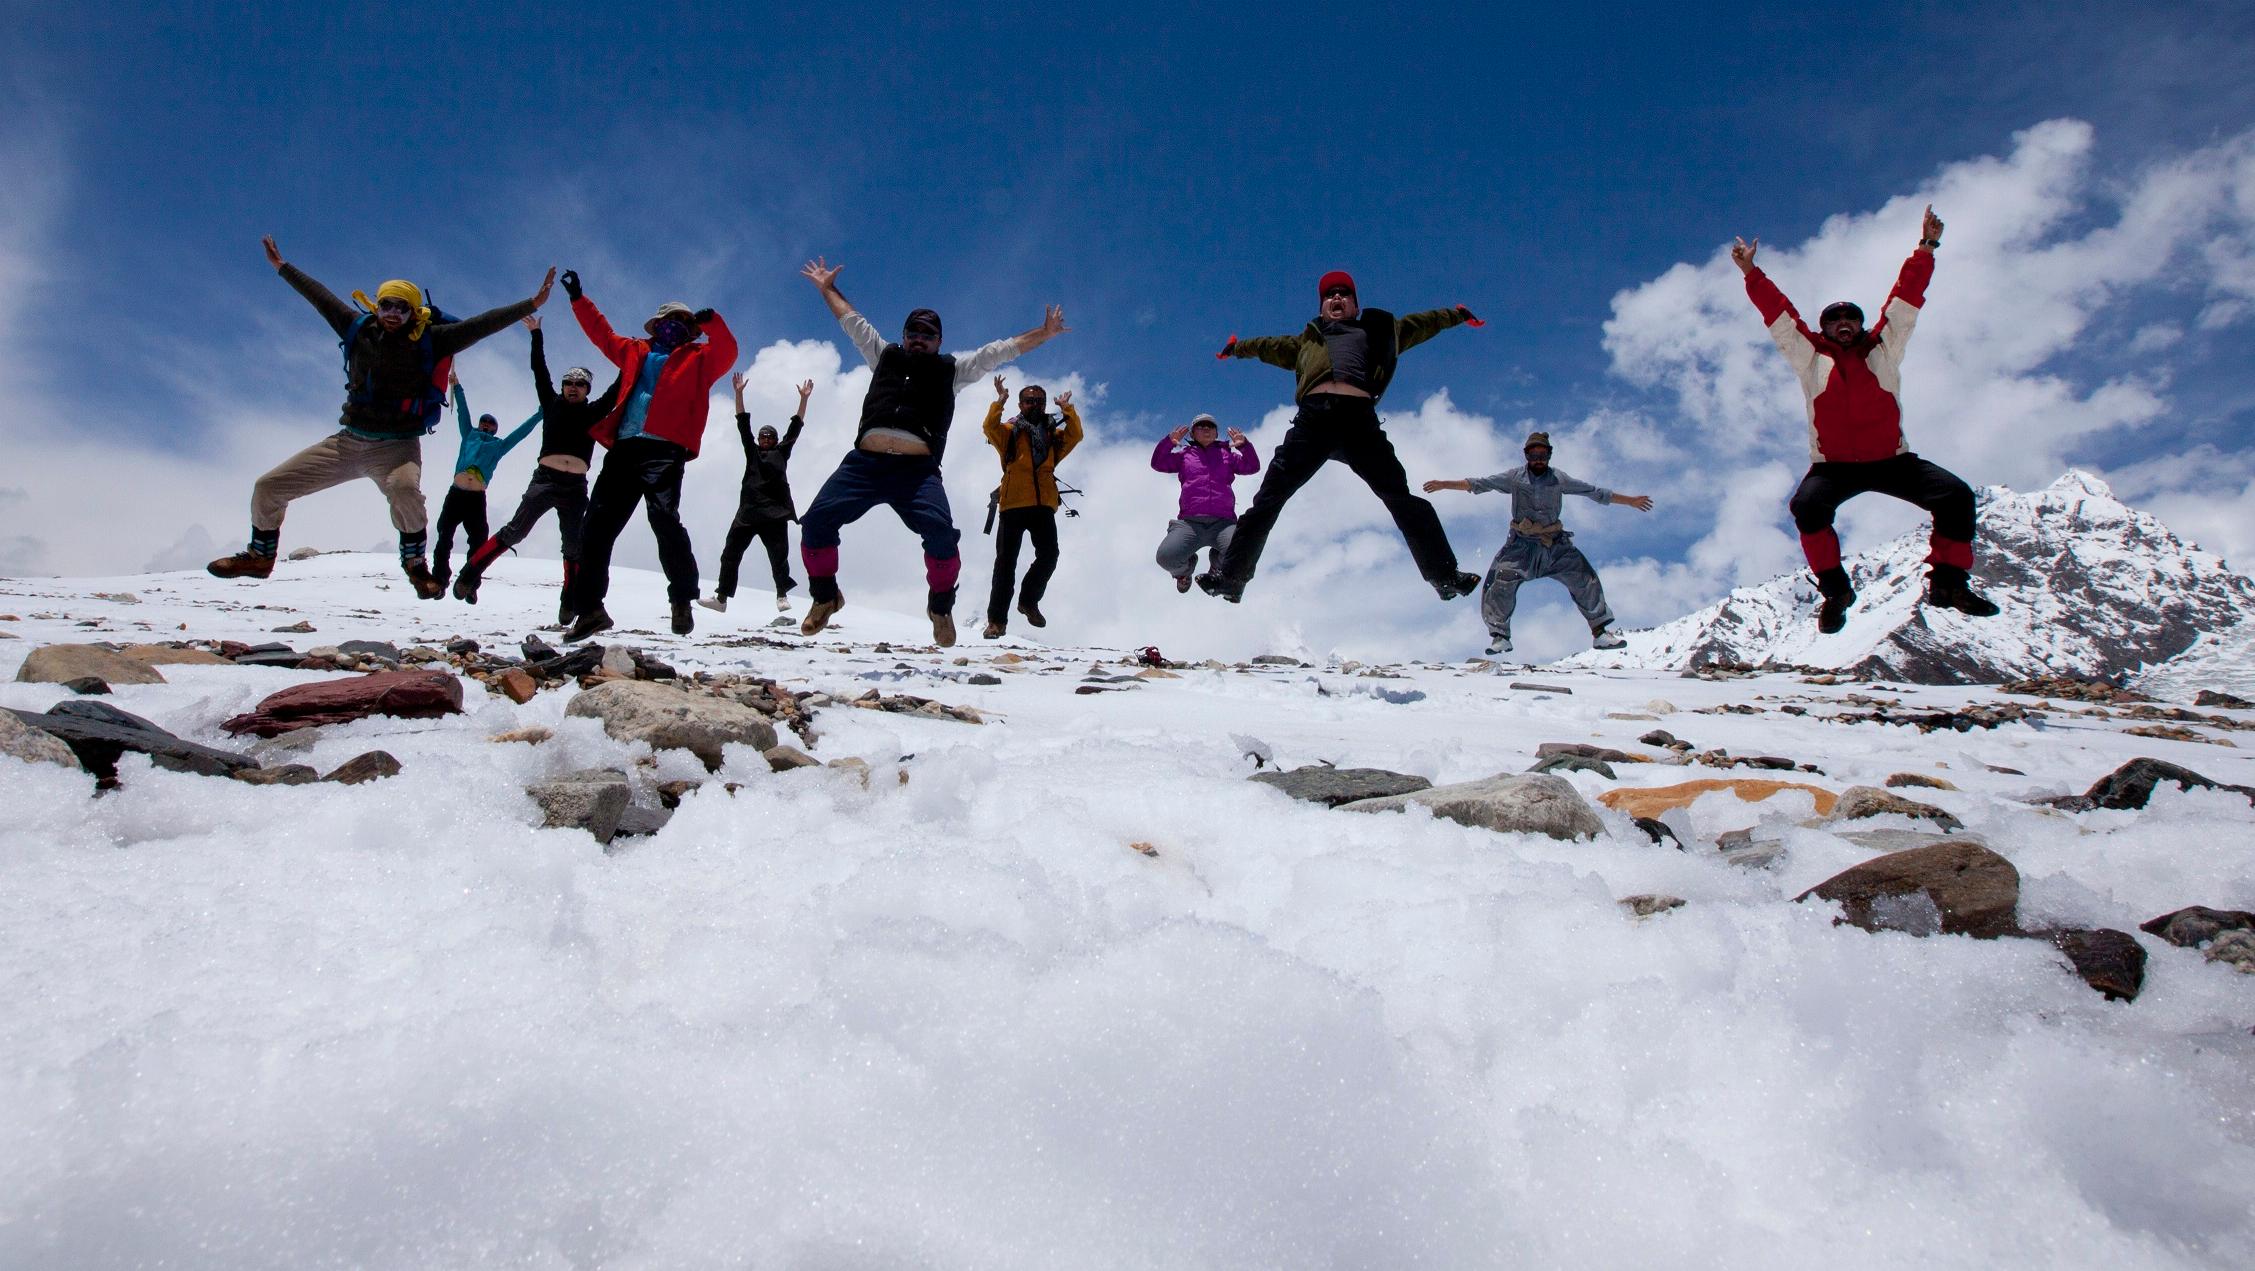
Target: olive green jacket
point(1305, 356)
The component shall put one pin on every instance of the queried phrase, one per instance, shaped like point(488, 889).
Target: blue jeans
point(909, 485)
point(1523, 559)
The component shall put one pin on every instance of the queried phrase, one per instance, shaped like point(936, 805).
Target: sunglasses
point(391, 305)
point(1339, 291)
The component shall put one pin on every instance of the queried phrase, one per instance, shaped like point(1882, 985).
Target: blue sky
point(1170, 177)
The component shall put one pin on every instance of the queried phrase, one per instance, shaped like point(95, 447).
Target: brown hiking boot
point(818, 617)
point(1031, 611)
point(994, 631)
point(419, 575)
point(943, 629)
point(243, 564)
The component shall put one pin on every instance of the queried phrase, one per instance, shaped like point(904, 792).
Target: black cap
point(928, 318)
point(1841, 307)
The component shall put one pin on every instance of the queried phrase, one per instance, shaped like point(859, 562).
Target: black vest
point(911, 392)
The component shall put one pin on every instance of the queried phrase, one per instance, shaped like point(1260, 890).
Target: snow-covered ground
point(959, 1022)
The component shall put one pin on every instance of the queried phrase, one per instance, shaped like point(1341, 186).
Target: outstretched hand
point(570, 279)
point(821, 272)
point(273, 253)
point(452, 380)
point(736, 381)
point(1001, 393)
point(1065, 399)
point(1175, 438)
point(1931, 227)
point(1435, 487)
point(540, 297)
point(1236, 438)
point(1641, 502)
point(1742, 254)
point(806, 390)
point(532, 322)
point(1053, 322)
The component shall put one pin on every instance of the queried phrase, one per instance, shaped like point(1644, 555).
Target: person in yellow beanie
point(398, 350)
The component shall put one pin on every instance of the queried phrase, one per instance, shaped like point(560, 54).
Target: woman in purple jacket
point(1208, 515)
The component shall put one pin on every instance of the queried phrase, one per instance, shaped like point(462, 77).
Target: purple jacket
point(1206, 473)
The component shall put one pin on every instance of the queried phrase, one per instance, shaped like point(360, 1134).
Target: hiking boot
point(943, 629)
point(466, 585)
point(717, 603)
point(994, 631)
point(1838, 594)
point(1182, 582)
point(1460, 585)
point(1498, 645)
point(564, 614)
point(587, 624)
point(1031, 611)
point(684, 621)
point(444, 574)
point(1947, 587)
point(419, 576)
point(818, 616)
point(1216, 585)
point(243, 564)
point(1609, 638)
point(782, 602)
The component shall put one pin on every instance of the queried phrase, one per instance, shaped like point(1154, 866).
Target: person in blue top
point(1539, 546)
point(481, 452)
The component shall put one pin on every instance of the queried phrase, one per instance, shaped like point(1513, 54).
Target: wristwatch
point(1930, 243)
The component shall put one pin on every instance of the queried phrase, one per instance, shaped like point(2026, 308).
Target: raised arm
point(1411, 330)
point(977, 363)
point(453, 337)
point(541, 386)
point(613, 346)
point(1276, 350)
point(1786, 329)
point(743, 418)
point(1167, 455)
point(521, 432)
point(1073, 433)
point(719, 356)
point(997, 435)
point(1242, 459)
point(339, 315)
point(1900, 314)
point(461, 404)
point(798, 421)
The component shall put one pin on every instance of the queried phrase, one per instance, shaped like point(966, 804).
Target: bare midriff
point(468, 479)
point(1338, 389)
point(892, 441)
point(565, 463)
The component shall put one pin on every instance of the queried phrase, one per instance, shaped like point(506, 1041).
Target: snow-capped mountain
point(2089, 586)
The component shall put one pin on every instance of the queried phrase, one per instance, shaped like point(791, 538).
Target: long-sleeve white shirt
point(969, 367)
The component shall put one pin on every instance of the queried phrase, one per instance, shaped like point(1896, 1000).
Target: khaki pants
point(395, 466)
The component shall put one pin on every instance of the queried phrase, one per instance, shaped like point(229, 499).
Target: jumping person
point(1032, 444)
point(763, 504)
point(1541, 547)
point(474, 463)
point(395, 391)
point(560, 479)
point(1852, 379)
point(1344, 359)
point(1207, 513)
point(897, 450)
point(652, 435)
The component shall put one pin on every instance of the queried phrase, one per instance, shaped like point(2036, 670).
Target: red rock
point(401, 694)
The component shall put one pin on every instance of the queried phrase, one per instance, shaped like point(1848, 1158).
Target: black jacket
point(563, 425)
point(766, 493)
point(386, 369)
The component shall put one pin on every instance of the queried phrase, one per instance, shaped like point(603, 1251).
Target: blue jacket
point(481, 451)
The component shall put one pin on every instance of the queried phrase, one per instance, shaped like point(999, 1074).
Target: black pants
point(1015, 524)
point(772, 531)
point(463, 509)
point(1906, 477)
point(640, 470)
point(1331, 427)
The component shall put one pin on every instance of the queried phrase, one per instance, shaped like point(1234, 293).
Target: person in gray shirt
point(1539, 546)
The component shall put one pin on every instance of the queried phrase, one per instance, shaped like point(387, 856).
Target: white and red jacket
point(1854, 414)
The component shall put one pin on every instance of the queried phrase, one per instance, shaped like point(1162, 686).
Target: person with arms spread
point(1031, 444)
point(474, 463)
point(763, 503)
point(1206, 514)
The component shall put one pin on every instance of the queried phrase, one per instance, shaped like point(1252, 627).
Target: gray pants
point(1523, 559)
point(1178, 551)
point(395, 466)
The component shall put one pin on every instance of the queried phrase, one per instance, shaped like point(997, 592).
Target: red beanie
point(1336, 278)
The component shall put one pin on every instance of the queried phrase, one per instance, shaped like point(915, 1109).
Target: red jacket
point(1854, 416)
point(681, 401)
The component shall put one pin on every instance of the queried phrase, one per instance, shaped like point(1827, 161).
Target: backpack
point(430, 404)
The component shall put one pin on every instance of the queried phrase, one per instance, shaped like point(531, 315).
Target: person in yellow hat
point(398, 351)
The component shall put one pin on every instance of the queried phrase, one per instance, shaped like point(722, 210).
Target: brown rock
point(371, 766)
point(1653, 800)
point(289, 774)
point(2113, 962)
point(531, 735)
point(2196, 925)
point(401, 694)
point(1919, 780)
point(173, 655)
point(62, 663)
point(785, 758)
point(517, 685)
point(1145, 848)
point(1858, 802)
point(1966, 889)
point(1647, 905)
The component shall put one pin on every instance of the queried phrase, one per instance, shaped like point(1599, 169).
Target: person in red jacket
point(652, 434)
point(1851, 379)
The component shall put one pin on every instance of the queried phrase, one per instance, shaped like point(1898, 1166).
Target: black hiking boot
point(684, 621)
point(1182, 582)
point(1460, 585)
point(1947, 587)
point(466, 585)
point(243, 564)
point(1839, 594)
point(1216, 585)
point(1032, 612)
point(590, 623)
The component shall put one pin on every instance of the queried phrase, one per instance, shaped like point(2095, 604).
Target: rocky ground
point(750, 942)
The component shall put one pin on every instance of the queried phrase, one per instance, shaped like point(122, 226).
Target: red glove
point(1226, 349)
point(1469, 320)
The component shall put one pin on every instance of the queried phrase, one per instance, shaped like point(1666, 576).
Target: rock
point(297, 743)
point(88, 686)
point(983, 680)
point(289, 774)
point(1658, 831)
point(371, 649)
point(1660, 706)
point(268, 655)
point(1664, 739)
point(618, 660)
point(1918, 780)
point(1574, 763)
point(2210, 697)
point(531, 735)
point(1859, 802)
point(1531, 687)
point(1632, 717)
point(1649, 904)
point(1276, 659)
point(2235, 949)
point(372, 766)
point(1900, 840)
point(636, 821)
point(592, 799)
point(2113, 962)
point(1510, 803)
point(32, 744)
point(1318, 783)
point(1653, 800)
point(1956, 887)
point(98, 734)
point(300, 627)
point(2176, 732)
point(466, 645)
point(304, 553)
point(1761, 855)
point(671, 793)
point(785, 758)
point(399, 694)
point(2196, 925)
point(670, 718)
point(173, 655)
point(62, 663)
point(1583, 750)
point(2132, 784)
point(517, 685)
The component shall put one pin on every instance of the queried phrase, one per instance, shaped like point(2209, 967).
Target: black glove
point(570, 279)
point(701, 317)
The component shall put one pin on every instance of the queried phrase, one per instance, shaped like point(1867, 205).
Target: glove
point(570, 279)
point(702, 316)
point(1469, 320)
point(1228, 348)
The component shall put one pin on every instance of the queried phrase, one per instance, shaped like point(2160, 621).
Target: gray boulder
point(32, 745)
point(62, 663)
point(1955, 887)
point(670, 718)
point(592, 799)
point(1317, 783)
point(1510, 803)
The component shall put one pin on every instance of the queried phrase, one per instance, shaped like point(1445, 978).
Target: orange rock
point(517, 684)
point(1653, 800)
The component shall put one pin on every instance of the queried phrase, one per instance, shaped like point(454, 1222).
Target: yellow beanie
point(401, 289)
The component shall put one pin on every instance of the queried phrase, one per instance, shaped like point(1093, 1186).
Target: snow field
point(959, 1022)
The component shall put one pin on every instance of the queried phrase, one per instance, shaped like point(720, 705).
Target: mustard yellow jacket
point(1024, 484)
